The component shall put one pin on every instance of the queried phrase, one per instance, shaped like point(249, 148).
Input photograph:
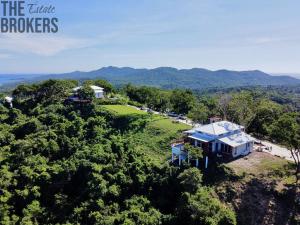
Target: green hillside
point(87, 162)
point(155, 139)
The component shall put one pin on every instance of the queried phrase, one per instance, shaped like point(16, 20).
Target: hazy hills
point(168, 77)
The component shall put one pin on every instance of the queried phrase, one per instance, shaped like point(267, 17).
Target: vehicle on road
point(182, 117)
point(172, 114)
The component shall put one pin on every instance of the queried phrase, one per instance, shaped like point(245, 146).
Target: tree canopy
point(68, 163)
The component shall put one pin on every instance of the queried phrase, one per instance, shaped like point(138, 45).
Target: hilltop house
point(223, 138)
point(99, 92)
point(9, 100)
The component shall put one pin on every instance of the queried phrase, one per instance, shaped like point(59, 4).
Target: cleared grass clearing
point(168, 125)
point(123, 110)
point(158, 135)
point(155, 139)
point(159, 122)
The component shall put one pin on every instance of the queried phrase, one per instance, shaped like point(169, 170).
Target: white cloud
point(40, 44)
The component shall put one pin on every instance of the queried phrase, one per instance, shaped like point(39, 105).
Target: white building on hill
point(222, 138)
point(9, 100)
point(99, 91)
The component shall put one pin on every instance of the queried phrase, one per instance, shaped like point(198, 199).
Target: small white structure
point(9, 100)
point(99, 91)
point(221, 138)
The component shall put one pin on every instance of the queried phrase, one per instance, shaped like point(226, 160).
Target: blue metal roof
point(202, 137)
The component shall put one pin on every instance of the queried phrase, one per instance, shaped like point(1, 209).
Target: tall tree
point(199, 113)
point(241, 108)
point(182, 101)
point(223, 105)
point(286, 130)
point(266, 112)
point(86, 93)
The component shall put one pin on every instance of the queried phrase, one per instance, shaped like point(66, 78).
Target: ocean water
point(14, 78)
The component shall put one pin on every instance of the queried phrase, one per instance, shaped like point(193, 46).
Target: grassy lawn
point(167, 125)
point(123, 110)
point(159, 122)
point(155, 139)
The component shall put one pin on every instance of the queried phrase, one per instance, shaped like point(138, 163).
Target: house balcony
point(178, 153)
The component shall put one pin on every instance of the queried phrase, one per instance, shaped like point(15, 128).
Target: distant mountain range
point(295, 75)
point(168, 77)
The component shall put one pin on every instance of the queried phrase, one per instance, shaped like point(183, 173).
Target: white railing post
point(206, 162)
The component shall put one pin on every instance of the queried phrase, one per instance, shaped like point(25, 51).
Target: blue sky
point(213, 34)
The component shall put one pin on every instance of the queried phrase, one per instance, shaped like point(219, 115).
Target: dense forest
point(257, 109)
point(63, 162)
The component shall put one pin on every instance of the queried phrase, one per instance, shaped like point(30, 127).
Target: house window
point(199, 144)
point(226, 148)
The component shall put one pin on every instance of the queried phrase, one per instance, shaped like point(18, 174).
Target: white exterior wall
point(242, 150)
point(237, 138)
point(99, 94)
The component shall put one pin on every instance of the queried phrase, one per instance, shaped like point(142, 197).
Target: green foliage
point(121, 110)
point(27, 97)
point(94, 164)
point(203, 208)
point(182, 101)
point(108, 87)
point(266, 113)
point(179, 101)
point(242, 108)
point(138, 210)
point(190, 180)
point(199, 113)
point(286, 129)
point(153, 98)
point(86, 93)
point(194, 153)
